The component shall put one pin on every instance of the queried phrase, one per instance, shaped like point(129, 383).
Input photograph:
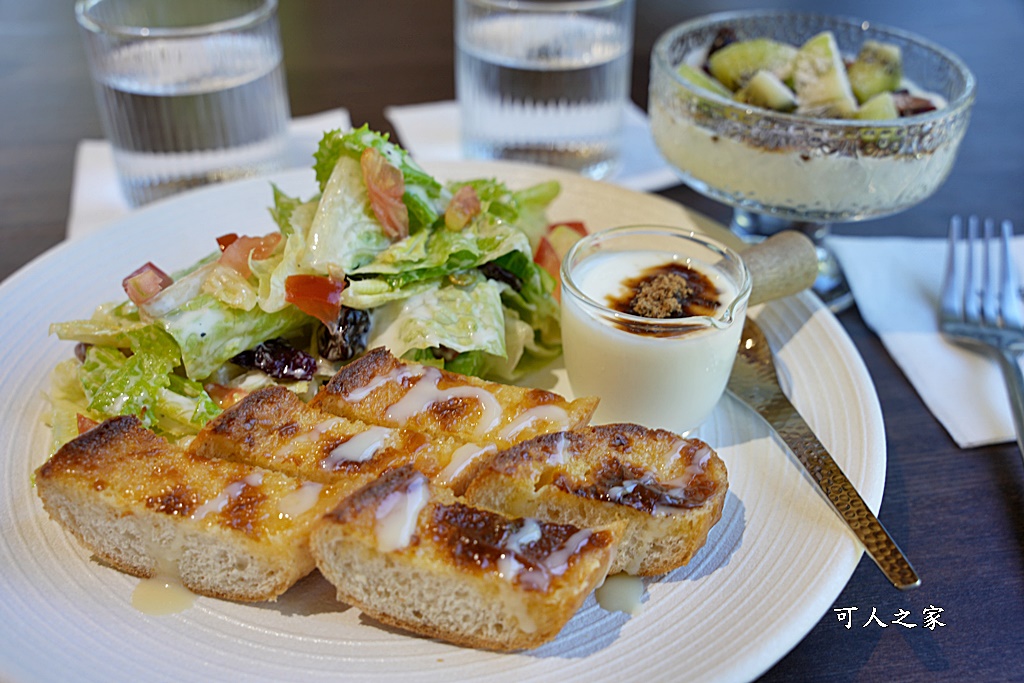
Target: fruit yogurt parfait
point(807, 117)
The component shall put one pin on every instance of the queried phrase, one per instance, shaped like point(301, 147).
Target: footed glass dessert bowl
point(802, 120)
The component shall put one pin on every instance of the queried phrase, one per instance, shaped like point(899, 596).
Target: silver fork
point(981, 305)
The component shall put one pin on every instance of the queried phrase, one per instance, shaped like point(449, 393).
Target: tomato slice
point(223, 396)
point(224, 241)
point(85, 423)
point(547, 258)
point(386, 186)
point(145, 282)
point(464, 205)
point(316, 295)
point(237, 252)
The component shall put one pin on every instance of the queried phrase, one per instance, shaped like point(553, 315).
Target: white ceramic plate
point(771, 569)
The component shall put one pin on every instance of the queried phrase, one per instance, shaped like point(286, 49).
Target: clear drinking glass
point(667, 372)
point(190, 91)
point(544, 82)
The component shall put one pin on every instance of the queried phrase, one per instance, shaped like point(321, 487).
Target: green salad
point(383, 255)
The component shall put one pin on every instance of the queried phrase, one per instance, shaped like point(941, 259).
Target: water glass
point(190, 91)
point(544, 82)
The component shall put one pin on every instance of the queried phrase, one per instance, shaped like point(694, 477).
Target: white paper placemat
point(896, 283)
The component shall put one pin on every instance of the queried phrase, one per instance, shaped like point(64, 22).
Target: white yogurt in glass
point(659, 372)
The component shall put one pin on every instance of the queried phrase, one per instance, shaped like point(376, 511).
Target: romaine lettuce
point(462, 318)
point(210, 333)
point(423, 194)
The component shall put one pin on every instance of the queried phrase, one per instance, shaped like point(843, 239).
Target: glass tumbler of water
point(544, 82)
point(190, 92)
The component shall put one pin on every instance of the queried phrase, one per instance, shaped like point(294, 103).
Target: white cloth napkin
point(96, 197)
point(896, 283)
point(431, 133)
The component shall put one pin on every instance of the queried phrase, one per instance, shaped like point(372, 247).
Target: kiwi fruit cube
point(736, 63)
point(701, 79)
point(881, 107)
point(766, 90)
point(820, 81)
point(878, 68)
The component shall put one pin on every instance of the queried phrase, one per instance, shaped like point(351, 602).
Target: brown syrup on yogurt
point(669, 291)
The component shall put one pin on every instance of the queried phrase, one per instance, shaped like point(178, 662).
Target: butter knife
point(755, 382)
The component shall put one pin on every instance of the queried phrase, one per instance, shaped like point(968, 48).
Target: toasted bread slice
point(383, 390)
point(668, 491)
point(407, 553)
point(225, 529)
point(274, 428)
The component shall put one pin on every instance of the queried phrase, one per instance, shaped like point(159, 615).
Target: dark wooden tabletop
point(959, 515)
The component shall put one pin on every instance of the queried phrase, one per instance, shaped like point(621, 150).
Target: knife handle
point(844, 497)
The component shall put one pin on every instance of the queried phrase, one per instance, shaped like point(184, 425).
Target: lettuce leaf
point(459, 317)
point(524, 209)
point(110, 325)
point(210, 333)
point(184, 407)
point(430, 255)
point(67, 401)
point(423, 194)
point(120, 385)
point(272, 272)
point(345, 234)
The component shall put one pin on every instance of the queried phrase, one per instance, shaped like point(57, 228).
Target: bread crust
point(146, 507)
point(275, 429)
point(667, 491)
point(466, 575)
point(384, 390)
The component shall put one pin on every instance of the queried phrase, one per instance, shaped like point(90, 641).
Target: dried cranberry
point(279, 360)
point(350, 339)
point(493, 271)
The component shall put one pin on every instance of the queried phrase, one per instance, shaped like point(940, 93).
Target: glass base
point(830, 285)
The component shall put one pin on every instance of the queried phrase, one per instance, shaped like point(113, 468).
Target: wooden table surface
point(959, 515)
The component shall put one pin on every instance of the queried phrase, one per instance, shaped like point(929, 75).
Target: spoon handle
point(754, 380)
point(797, 434)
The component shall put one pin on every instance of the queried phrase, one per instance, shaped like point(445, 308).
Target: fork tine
point(952, 295)
point(990, 289)
point(1009, 294)
point(972, 273)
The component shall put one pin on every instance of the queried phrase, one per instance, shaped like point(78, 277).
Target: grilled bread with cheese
point(383, 390)
point(667, 490)
point(275, 429)
point(225, 529)
point(409, 554)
